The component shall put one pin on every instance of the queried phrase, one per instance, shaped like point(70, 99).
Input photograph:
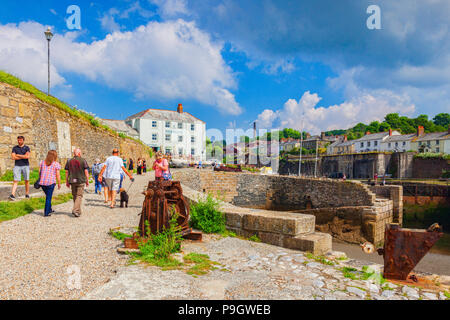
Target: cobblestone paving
point(254, 271)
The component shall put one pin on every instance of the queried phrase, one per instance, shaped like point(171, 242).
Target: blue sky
point(233, 62)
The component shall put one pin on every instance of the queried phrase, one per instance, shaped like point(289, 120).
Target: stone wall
point(429, 168)
point(348, 210)
point(46, 127)
point(394, 193)
point(284, 229)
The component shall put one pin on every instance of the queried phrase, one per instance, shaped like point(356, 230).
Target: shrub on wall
point(430, 155)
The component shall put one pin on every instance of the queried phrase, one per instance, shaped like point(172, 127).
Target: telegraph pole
point(301, 147)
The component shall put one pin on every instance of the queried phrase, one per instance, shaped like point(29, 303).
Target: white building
point(398, 143)
point(175, 132)
point(372, 142)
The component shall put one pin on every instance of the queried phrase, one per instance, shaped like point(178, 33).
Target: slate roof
point(402, 137)
point(376, 136)
point(165, 115)
point(120, 125)
point(434, 136)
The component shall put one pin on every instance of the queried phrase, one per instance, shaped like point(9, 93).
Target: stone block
point(8, 112)
point(4, 101)
point(317, 243)
point(279, 223)
point(233, 219)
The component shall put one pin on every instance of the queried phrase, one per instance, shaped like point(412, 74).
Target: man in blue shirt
point(20, 154)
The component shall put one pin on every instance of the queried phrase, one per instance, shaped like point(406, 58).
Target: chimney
point(322, 135)
point(420, 130)
point(308, 135)
point(368, 132)
point(180, 108)
point(390, 132)
point(345, 138)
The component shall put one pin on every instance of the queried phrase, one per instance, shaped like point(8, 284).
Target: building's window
point(180, 125)
point(192, 127)
point(404, 143)
point(437, 149)
point(368, 143)
point(168, 151)
point(375, 143)
point(168, 137)
point(193, 139)
point(389, 145)
point(429, 143)
point(193, 151)
point(362, 144)
point(154, 136)
point(180, 138)
point(154, 124)
point(180, 151)
point(396, 144)
point(167, 124)
point(437, 142)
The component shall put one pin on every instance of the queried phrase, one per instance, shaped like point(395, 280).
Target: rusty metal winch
point(404, 248)
point(162, 199)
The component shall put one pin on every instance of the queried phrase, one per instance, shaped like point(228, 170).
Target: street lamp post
point(48, 36)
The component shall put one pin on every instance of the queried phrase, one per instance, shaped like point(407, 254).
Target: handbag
point(36, 184)
point(167, 175)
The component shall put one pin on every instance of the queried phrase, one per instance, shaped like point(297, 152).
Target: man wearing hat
point(111, 171)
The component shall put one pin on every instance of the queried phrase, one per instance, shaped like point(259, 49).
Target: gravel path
point(38, 256)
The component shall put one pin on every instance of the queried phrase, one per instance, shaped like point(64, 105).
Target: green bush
point(446, 174)
point(157, 248)
point(431, 155)
point(207, 217)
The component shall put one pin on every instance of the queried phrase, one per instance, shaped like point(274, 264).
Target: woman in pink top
point(161, 165)
point(48, 176)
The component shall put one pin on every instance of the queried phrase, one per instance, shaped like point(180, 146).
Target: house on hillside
point(341, 146)
point(313, 142)
point(372, 141)
point(436, 142)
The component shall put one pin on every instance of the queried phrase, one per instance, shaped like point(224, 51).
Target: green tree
point(442, 119)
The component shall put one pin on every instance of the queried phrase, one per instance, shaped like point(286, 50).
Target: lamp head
point(48, 34)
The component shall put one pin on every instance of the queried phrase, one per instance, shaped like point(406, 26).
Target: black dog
point(123, 198)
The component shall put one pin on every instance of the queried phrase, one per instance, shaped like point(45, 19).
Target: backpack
point(96, 168)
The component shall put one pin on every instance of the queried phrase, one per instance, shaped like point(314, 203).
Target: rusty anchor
point(162, 199)
point(404, 248)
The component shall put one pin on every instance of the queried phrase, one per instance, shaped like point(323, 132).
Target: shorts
point(21, 171)
point(112, 184)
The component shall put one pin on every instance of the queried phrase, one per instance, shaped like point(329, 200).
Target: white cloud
point(266, 118)
point(171, 8)
point(305, 114)
point(108, 21)
point(161, 60)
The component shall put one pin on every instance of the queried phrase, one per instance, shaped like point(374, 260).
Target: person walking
point(130, 165)
point(144, 166)
point(139, 166)
point(77, 177)
point(161, 166)
point(96, 168)
point(49, 175)
point(21, 155)
point(111, 171)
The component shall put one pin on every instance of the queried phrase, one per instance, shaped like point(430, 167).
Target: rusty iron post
point(404, 248)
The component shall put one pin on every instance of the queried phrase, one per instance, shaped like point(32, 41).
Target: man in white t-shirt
point(111, 171)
